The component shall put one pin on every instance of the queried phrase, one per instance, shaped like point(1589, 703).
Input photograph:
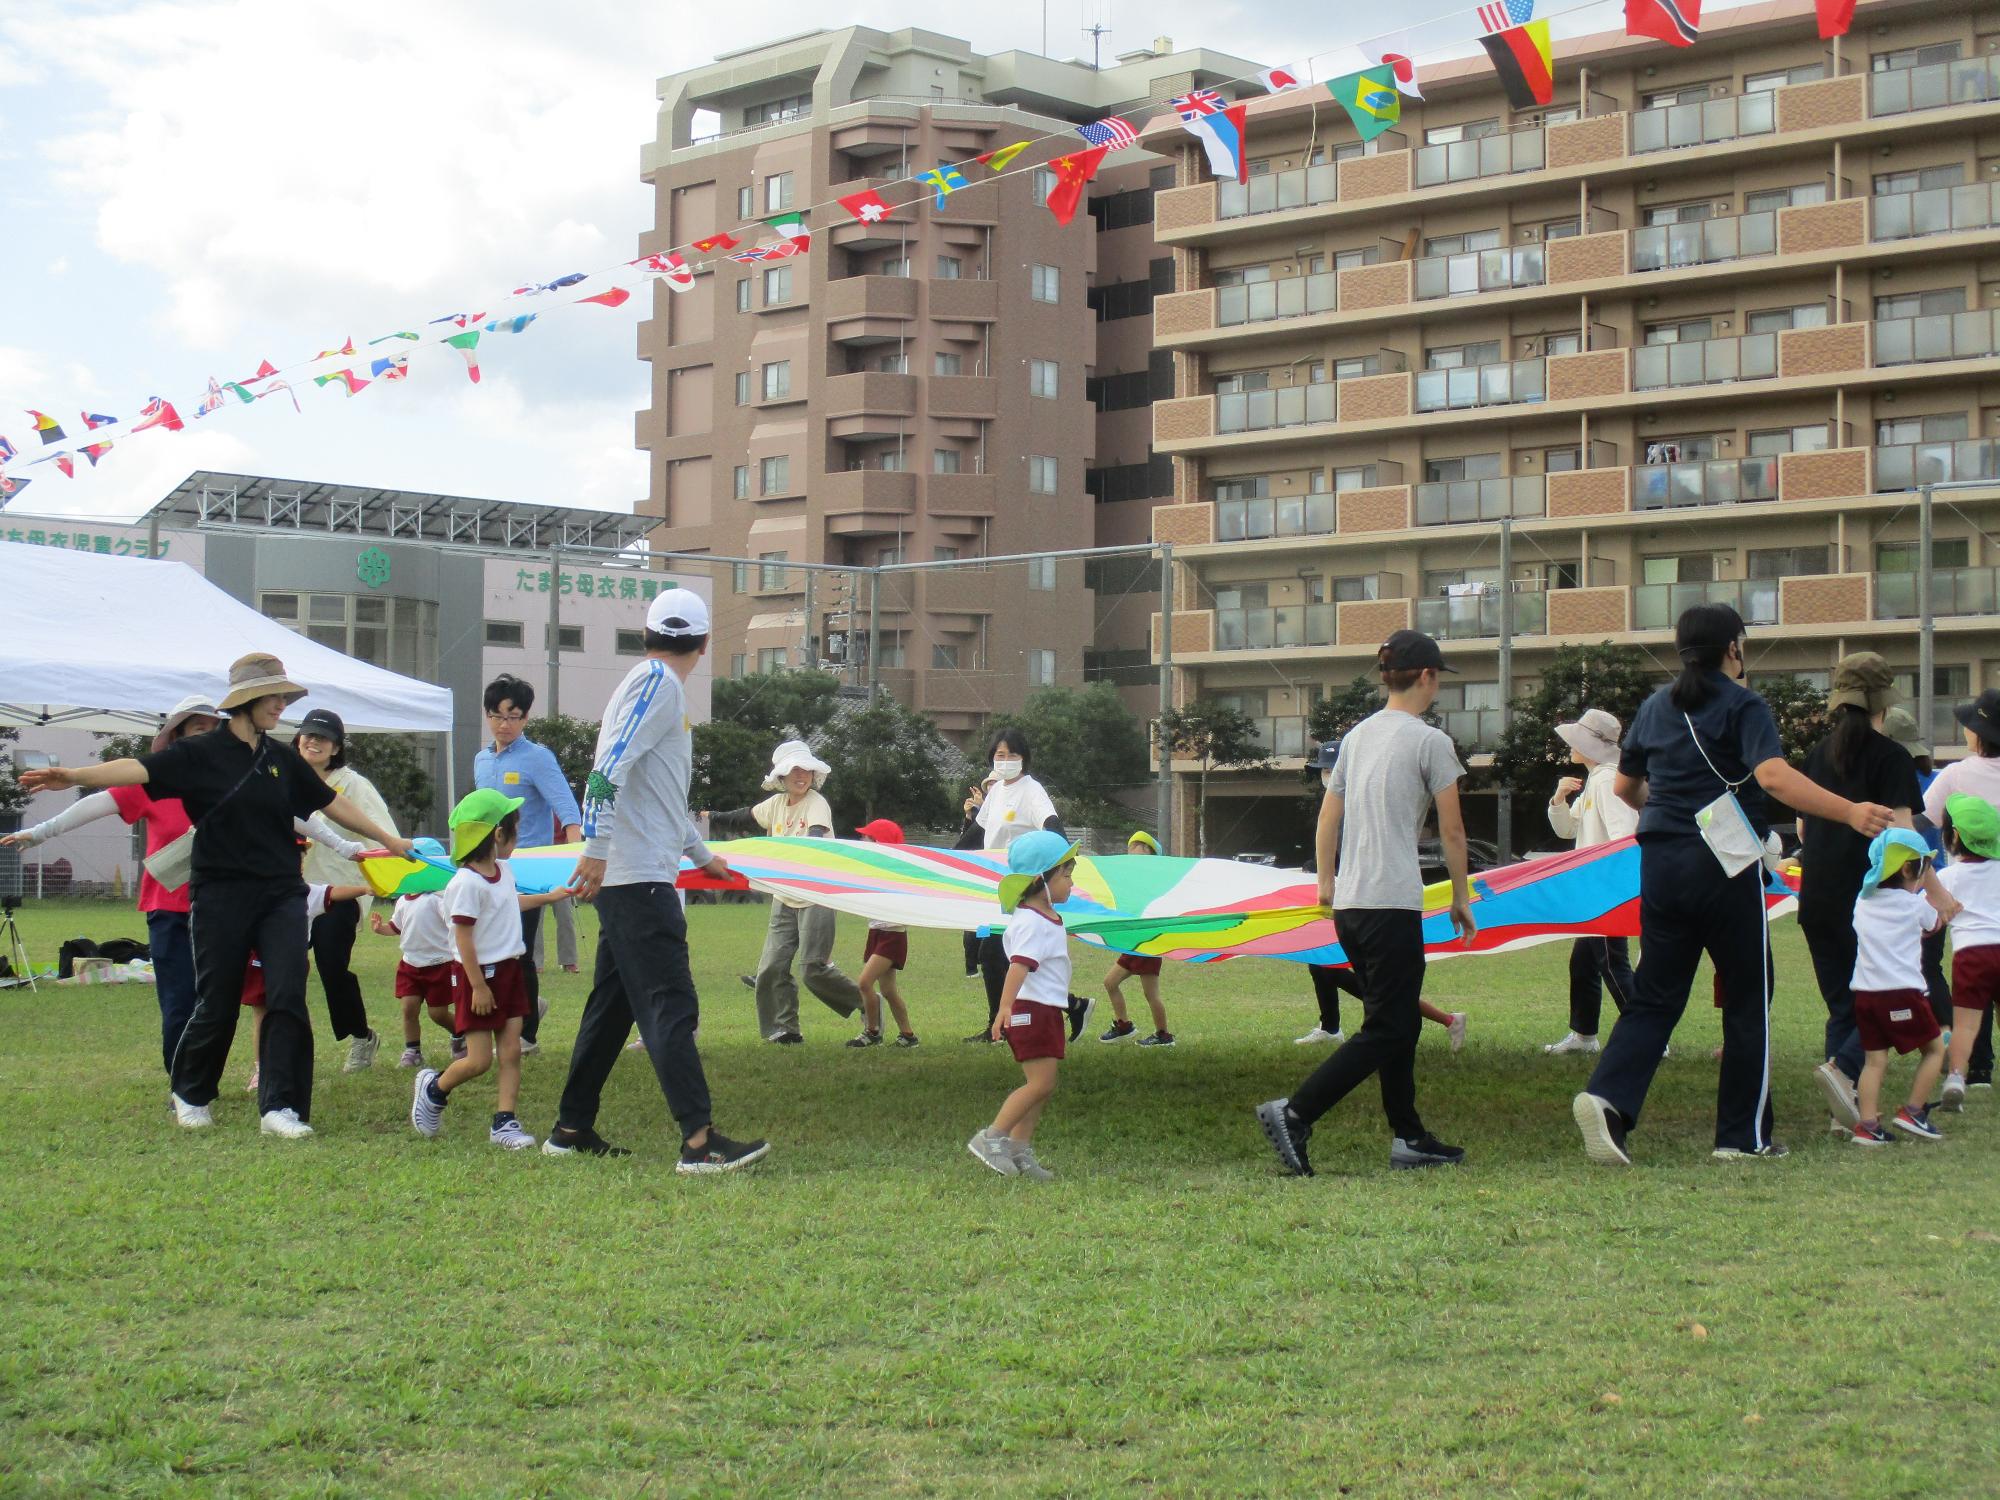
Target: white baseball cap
point(677, 612)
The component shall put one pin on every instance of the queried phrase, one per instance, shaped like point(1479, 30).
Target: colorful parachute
point(1193, 910)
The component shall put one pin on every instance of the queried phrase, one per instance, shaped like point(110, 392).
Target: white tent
point(111, 643)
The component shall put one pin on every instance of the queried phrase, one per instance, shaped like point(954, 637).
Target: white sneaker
point(1840, 1097)
point(286, 1123)
point(509, 1133)
point(426, 1114)
point(1954, 1092)
point(191, 1116)
point(1455, 1029)
point(529, 1049)
point(1572, 1042)
point(1319, 1034)
point(361, 1052)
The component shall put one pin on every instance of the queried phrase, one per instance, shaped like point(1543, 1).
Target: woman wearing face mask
point(1005, 805)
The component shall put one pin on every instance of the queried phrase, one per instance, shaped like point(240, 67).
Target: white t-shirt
point(1975, 884)
point(1013, 808)
point(1039, 944)
point(780, 817)
point(423, 930)
point(1978, 775)
point(492, 908)
point(1889, 928)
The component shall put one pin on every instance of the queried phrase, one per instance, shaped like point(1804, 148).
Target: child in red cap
point(882, 959)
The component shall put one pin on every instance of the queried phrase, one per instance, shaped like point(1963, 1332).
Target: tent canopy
point(112, 643)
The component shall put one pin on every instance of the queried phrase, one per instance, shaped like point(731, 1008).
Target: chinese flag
point(723, 241)
point(1835, 16)
point(1072, 173)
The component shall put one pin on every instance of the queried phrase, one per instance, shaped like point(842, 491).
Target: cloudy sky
point(197, 185)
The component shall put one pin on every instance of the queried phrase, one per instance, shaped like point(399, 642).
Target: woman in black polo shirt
point(241, 789)
point(1691, 741)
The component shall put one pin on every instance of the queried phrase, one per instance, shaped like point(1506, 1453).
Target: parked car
point(1249, 857)
point(1479, 855)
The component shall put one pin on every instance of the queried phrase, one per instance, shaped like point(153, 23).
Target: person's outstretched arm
point(125, 772)
point(80, 812)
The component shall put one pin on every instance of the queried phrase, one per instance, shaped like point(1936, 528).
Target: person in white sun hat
point(794, 810)
point(1586, 810)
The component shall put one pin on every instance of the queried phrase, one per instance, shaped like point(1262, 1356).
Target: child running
point(424, 972)
point(1034, 998)
point(1891, 1005)
point(318, 899)
point(1972, 835)
point(1146, 970)
point(882, 958)
point(490, 993)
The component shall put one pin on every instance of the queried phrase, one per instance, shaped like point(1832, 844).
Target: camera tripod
point(12, 948)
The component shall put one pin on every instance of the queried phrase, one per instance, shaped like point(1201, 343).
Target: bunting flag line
point(616, 297)
point(462, 320)
point(947, 180)
point(212, 401)
point(158, 413)
point(1675, 22)
point(1222, 128)
point(1279, 80)
point(47, 426)
point(1404, 70)
point(867, 206)
point(10, 489)
point(412, 337)
point(715, 242)
point(1835, 17)
point(8, 452)
point(281, 385)
point(514, 324)
point(346, 348)
point(677, 273)
point(1111, 132)
point(1371, 100)
point(1499, 15)
point(236, 386)
point(997, 160)
point(349, 383)
point(67, 464)
point(1073, 174)
point(793, 228)
point(92, 421)
point(1520, 55)
point(394, 368)
point(95, 451)
point(467, 344)
point(265, 369)
point(536, 288)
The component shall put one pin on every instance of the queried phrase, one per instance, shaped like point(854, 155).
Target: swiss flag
point(867, 206)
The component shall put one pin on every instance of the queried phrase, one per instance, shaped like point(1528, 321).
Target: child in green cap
point(1972, 837)
point(1142, 967)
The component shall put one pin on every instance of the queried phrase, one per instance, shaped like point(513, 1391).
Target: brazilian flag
point(1371, 100)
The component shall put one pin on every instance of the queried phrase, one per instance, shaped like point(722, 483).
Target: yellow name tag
point(511, 778)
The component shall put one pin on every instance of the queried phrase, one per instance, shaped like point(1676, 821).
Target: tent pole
point(450, 767)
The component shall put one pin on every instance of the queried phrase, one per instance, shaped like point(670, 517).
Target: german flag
point(1520, 55)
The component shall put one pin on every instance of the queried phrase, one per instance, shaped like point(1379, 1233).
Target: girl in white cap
point(1587, 810)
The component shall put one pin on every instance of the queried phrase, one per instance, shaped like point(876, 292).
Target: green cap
point(477, 815)
point(1976, 822)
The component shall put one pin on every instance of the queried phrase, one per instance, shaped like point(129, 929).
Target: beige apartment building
point(1695, 332)
point(960, 379)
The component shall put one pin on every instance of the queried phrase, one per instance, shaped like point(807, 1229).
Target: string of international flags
point(1515, 40)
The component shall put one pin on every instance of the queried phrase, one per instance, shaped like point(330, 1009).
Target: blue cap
point(1326, 755)
point(1889, 851)
point(1029, 858)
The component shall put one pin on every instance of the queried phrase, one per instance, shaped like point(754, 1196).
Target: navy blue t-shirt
point(1736, 730)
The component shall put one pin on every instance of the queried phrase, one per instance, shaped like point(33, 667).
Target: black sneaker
point(1776, 1151)
point(1603, 1130)
point(720, 1154)
point(1080, 1007)
point(1425, 1151)
point(867, 1039)
point(749, 981)
point(1979, 1078)
point(562, 1141)
point(978, 1036)
point(1287, 1134)
point(1119, 1031)
point(789, 1039)
point(907, 1039)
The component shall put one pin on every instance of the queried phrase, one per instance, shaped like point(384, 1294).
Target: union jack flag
point(1200, 102)
point(1498, 15)
point(1110, 132)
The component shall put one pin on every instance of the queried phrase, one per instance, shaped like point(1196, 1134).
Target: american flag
point(1501, 14)
point(1109, 131)
point(1200, 102)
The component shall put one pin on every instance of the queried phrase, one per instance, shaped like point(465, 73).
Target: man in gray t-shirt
point(1392, 767)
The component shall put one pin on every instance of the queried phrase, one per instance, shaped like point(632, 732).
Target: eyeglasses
point(516, 717)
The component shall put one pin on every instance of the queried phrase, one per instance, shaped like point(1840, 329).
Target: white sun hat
point(788, 758)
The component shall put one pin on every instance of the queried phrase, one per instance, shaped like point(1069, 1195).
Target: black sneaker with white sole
point(562, 1141)
point(720, 1154)
point(1080, 1007)
point(1603, 1130)
point(1287, 1134)
point(1425, 1151)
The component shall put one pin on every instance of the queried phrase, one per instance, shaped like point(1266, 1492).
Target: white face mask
point(1006, 770)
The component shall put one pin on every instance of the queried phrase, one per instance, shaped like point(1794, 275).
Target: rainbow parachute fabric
point(1191, 910)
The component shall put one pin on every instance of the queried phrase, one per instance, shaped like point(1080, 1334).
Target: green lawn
point(872, 1313)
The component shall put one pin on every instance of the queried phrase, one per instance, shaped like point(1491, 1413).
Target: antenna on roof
point(1097, 31)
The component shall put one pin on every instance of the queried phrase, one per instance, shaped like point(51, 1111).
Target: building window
point(1471, 466)
point(1562, 343)
point(1459, 244)
point(1045, 283)
point(498, 632)
point(891, 652)
point(739, 577)
point(892, 461)
point(774, 476)
point(1950, 299)
point(1042, 182)
point(1779, 319)
point(1902, 557)
point(1041, 474)
point(889, 557)
point(631, 643)
point(1758, 83)
point(1770, 200)
point(1679, 213)
point(743, 388)
point(891, 364)
point(1348, 260)
point(1562, 229)
point(948, 267)
point(1785, 562)
point(947, 364)
point(1042, 378)
point(1683, 93)
point(736, 664)
point(776, 111)
point(1683, 331)
point(1042, 574)
point(1041, 668)
point(1771, 441)
point(771, 659)
point(777, 285)
point(895, 265)
point(944, 554)
point(1471, 130)
point(777, 192)
point(1123, 210)
point(1460, 356)
point(778, 380)
point(770, 571)
point(746, 202)
point(1913, 57)
point(1941, 427)
point(944, 658)
point(568, 638)
point(739, 482)
point(1951, 174)
point(1359, 477)
point(398, 634)
point(743, 295)
point(944, 460)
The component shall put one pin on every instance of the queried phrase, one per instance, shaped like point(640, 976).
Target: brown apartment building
point(961, 379)
point(1696, 331)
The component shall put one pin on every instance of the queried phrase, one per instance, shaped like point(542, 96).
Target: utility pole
point(1926, 644)
point(874, 635)
point(555, 630)
point(1165, 788)
point(1504, 827)
point(1096, 35)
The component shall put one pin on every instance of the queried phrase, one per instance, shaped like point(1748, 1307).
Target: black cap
point(325, 723)
point(1410, 651)
point(1325, 756)
point(1982, 716)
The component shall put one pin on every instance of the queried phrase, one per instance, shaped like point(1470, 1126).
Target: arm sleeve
point(735, 820)
point(461, 900)
point(971, 836)
point(1440, 762)
point(640, 717)
point(320, 830)
point(555, 789)
point(76, 815)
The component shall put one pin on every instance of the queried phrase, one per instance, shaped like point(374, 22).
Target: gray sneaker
point(995, 1150)
point(511, 1134)
point(426, 1114)
point(1025, 1164)
point(361, 1053)
point(1841, 1101)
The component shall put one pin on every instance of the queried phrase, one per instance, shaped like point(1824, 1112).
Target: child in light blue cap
point(1891, 1002)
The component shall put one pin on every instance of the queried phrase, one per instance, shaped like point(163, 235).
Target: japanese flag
point(1278, 80)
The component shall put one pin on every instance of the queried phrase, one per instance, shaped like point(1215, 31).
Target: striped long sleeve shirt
point(635, 805)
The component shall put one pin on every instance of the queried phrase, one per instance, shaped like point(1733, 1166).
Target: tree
point(729, 766)
point(1088, 748)
point(1221, 738)
point(886, 763)
point(572, 741)
point(1799, 708)
point(1331, 718)
point(124, 746)
point(390, 762)
point(780, 705)
point(12, 798)
point(1530, 759)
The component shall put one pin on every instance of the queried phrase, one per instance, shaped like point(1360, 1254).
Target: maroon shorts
point(1138, 963)
point(1037, 1030)
point(1975, 977)
point(430, 984)
point(1901, 1019)
point(510, 997)
point(894, 946)
point(253, 982)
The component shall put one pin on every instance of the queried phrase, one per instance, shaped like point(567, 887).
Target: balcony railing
point(1721, 481)
point(1282, 735)
point(1944, 210)
point(1656, 606)
point(1668, 127)
point(1275, 190)
point(1656, 367)
point(1269, 627)
point(1462, 617)
point(1666, 247)
point(1262, 301)
point(1274, 515)
point(1912, 341)
point(1255, 411)
point(1455, 502)
point(1502, 384)
point(1972, 80)
point(1480, 271)
point(1486, 156)
point(1954, 591)
point(1905, 466)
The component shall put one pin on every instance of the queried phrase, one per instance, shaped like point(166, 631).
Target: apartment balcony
point(1473, 616)
point(869, 404)
point(868, 502)
point(1507, 383)
point(892, 229)
point(1488, 156)
point(1931, 211)
point(1462, 502)
point(1259, 411)
point(1908, 466)
point(976, 396)
point(1276, 190)
point(1275, 515)
point(869, 309)
point(1942, 336)
point(1265, 301)
point(1476, 271)
point(1657, 367)
point(1656, 606)
point(1699, 482)
point(959, 494)
point(1971, 80)
point(1955, 592)
point(964, 591)
point(952, 690)
point(1282, 736)
point(1669, 247)
point(1276, 627)
point(962, 299)
point(1705, 122)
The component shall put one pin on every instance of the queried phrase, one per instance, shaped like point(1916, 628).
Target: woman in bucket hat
point(242, 788)
point(1586, 810)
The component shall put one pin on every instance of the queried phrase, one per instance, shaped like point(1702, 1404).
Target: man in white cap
point(636, 827)
point(1587, 810)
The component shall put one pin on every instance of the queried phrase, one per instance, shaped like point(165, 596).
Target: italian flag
point(793, 228)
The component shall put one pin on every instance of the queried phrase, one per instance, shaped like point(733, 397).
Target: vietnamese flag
point(722, 241)
point(867, 206)
point(616, 297)
point(1073, 173)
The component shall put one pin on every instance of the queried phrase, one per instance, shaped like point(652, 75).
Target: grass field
point(872, 1313)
